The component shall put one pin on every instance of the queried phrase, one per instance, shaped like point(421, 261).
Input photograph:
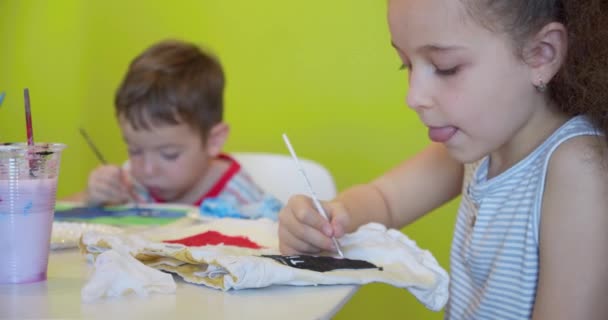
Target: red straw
point(28, 117)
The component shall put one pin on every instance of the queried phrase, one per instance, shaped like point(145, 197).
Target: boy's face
point(170, 160)
point(465, 82)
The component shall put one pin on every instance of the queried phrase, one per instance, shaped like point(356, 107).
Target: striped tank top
point(494, 256)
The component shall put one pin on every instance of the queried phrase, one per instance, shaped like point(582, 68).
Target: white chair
point(278, 175)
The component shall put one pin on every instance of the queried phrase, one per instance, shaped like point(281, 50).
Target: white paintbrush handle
point(313, 195)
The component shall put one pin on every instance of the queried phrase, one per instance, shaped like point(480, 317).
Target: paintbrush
point(28, 117)
point(30, 132)
point(313, 195)
point(102, 159)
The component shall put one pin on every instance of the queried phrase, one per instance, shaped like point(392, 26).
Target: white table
point(59, 298)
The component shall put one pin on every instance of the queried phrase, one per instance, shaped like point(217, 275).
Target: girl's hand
point(303, 230)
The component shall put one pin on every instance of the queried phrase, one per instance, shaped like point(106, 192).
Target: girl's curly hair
point(581, 85)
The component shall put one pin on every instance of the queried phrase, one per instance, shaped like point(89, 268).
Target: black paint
point(321, 263)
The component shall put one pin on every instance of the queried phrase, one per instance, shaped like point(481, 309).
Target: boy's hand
point(107, 186)
point(303, 230)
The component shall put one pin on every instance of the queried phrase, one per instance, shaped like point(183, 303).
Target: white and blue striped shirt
point(494, 257)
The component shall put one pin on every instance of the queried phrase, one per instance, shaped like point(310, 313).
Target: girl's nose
point(418, 96)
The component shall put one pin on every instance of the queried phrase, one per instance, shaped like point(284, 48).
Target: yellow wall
point(322, 71)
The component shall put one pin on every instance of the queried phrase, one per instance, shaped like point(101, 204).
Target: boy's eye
point(133, 152)
point(170, 156)
point(447, 72)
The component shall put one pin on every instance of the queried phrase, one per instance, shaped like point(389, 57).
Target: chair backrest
point(278, 175)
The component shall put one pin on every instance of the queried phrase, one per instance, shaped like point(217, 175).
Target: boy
point(169, 108)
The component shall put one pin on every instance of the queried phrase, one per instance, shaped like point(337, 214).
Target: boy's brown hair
point(172, 82)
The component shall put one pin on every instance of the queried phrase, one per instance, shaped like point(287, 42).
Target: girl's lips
point(442, 134)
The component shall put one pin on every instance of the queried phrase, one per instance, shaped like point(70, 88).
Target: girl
point(513, 93)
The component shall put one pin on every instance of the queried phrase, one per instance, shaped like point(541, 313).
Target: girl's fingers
point(301, 229)
point(291, 245)
point(308, 216)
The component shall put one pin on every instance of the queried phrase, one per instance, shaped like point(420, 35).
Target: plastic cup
point(28, 185)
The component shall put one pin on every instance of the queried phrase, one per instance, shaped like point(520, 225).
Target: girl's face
point(466, 83)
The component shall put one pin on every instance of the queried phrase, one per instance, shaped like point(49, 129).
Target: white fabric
point(117, 273)
point(403, 264)
point(374, 242)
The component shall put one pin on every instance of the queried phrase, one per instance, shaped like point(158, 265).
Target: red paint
point(215, 238)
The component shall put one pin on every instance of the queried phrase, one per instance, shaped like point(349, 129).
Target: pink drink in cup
point(28, 184)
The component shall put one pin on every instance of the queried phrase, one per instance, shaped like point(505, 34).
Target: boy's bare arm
point(412, 189)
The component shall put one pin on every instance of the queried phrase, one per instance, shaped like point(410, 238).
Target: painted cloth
point(117, 273)
point(372, 254)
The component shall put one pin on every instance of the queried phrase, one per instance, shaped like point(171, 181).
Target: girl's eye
point(447, 72)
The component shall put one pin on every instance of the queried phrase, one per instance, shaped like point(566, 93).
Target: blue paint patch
point(28, 207)
point(99, 212)
point(217, 207)
point(2, 95)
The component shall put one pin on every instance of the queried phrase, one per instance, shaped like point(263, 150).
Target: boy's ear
point(545, 52)
point(217, 138)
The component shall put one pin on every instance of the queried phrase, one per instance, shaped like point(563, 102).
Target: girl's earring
point(541, 86)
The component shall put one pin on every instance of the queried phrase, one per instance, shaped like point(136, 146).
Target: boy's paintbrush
point(101, 159)
point(92, 146)
point(310, 190)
